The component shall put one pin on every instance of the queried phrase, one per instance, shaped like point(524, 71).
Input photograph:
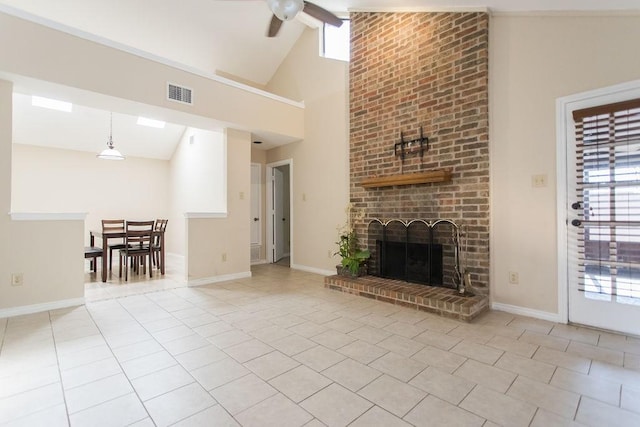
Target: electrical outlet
point(514, 279)
point(539, 181)
point(17, 279)
point(304, 197)
point(242, 195)
point(224, 257)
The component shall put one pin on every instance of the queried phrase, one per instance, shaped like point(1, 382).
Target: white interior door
point(603, 211)
point(255, 219)
point(255, 213)
point(278, 215)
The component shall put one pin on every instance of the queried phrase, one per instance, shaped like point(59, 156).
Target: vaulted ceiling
point(222, 36)
point(229, 35)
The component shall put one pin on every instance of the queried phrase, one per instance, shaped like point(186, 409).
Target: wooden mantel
point(440, 175)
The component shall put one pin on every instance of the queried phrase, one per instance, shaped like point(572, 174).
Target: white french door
point(603, 212)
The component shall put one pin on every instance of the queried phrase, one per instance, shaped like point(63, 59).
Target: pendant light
point(110, 153)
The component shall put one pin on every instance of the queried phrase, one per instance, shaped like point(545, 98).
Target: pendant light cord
point(110, 144)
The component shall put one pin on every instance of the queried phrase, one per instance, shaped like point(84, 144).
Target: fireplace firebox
point(411, 262)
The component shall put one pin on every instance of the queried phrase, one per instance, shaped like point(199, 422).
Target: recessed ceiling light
point(143, 121)
point(52, 104)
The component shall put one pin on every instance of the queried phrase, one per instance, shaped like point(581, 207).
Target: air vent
point(179, 94)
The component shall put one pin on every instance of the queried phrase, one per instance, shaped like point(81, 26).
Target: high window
point(336, 42)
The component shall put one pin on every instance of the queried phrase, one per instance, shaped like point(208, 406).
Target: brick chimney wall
point(423, 69)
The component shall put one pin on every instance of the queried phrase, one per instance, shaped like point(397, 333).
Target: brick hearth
point(443, 301)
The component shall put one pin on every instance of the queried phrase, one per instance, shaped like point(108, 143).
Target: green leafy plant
point(352, 255)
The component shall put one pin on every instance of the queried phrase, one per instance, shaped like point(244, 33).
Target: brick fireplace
point(422, 77)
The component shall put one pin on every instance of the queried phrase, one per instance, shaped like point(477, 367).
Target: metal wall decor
point(416, 146)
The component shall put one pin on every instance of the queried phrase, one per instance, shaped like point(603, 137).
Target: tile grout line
point(575, 414)
point(64, 395)
point(195, 380)
point(51, 334)
point(120, 364)
point(534, 416)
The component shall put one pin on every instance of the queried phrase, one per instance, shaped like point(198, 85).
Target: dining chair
point(113, 225)
point(92, 253)
point(138, 247)
point(160, 226)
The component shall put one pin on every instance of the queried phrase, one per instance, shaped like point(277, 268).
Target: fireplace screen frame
point(381, 233)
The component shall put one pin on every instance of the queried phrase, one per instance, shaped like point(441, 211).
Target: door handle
point(256, 219)
point(576, 223)
point(283, 219)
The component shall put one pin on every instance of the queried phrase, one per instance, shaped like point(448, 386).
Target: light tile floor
point(115, 286)
point(279, 349)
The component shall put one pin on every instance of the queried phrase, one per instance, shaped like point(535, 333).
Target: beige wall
point(209, 238)
point(48, 253)
point(55, 180)
point(533, 61)
point(320, 162)
point(197, 181)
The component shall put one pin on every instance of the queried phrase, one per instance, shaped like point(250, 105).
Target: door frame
point(269, 212)
point(564, 131)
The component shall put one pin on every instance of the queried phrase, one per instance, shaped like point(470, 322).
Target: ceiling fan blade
point(274, 26)
point(321, 14)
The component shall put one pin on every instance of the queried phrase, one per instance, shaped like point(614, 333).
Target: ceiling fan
point(286, 10)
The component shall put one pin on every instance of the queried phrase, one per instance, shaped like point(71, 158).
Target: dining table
point(120, 234)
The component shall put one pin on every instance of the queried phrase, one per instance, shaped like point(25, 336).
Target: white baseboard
point(259, 262)
point(37, 308)
point(320, 271)
point(529, 312)
point(216, 279)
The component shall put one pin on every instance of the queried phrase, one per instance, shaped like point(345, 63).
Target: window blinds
point(608, 200)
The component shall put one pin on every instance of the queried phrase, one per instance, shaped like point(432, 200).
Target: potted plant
point(354, 258)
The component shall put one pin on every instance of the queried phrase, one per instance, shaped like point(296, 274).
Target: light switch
point(539, 180)
point(514, 278)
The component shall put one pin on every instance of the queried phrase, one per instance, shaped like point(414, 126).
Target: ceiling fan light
point(286, 10)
